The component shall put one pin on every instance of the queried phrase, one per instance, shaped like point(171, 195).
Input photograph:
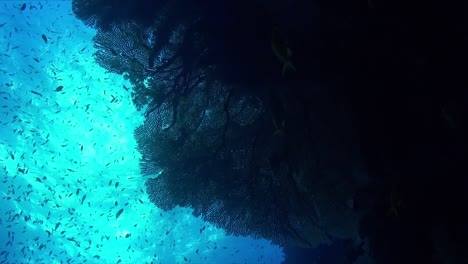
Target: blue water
point(68, 159)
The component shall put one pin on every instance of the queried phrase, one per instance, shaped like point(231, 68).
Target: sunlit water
point(69, 163)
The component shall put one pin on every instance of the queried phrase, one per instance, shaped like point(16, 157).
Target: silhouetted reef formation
point(301, 122)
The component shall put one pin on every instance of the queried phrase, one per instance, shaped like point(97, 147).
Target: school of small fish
point(71, 190)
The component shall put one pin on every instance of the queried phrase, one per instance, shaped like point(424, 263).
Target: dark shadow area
point(337, 252)
point(303, 122)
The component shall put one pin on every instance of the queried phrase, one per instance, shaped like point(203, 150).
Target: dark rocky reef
point(363, 138)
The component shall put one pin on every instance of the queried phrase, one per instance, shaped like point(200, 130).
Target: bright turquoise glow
point(63, 154)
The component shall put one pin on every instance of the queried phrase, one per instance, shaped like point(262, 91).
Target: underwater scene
point(233, 132)
point(71, 187)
